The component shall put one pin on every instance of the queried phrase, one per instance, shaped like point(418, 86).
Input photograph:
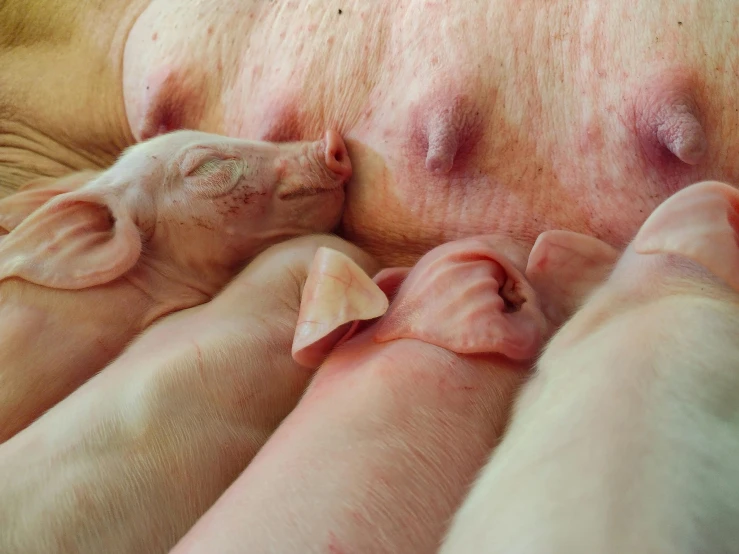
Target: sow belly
point(485, 117)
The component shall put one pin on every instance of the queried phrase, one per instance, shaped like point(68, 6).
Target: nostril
point(337, 156)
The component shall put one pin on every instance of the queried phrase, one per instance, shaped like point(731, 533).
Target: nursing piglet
point(380, 450)
point(627, 437)
point(163, 229)
point(130, 460)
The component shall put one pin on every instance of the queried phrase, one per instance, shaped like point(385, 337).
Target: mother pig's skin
point(463, 118)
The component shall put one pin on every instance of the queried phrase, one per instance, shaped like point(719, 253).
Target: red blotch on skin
point(283, 123)
point(172, 99)
point(333, 545)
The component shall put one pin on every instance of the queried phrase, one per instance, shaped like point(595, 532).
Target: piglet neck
point(166, 289)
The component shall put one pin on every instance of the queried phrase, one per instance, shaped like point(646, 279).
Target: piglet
point(163, 229)
point(627, 437)
point(128, 462)
point(380, 450)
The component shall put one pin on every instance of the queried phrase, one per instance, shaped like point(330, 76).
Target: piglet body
point(378, 453)
point(162, 230)
point(131, 459)
point(626, 438)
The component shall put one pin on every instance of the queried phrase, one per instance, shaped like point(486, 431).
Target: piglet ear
point(469, 300)
point(76, 240)
point(564, 267)
point(17, 207)
point(34, 194)
point(336, 296)
point(700, 223)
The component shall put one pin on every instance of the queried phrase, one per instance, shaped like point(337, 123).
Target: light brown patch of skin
point(61, 103)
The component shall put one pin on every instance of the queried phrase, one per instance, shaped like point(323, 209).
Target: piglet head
point(467, 296)
point(696, 227)
point(225, 200)
point(701, 224)
point(691, 238)
point(194, 206)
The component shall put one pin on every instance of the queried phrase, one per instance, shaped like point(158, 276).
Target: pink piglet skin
point(89, 261)
point(129, 461)
point(379, 452)
point(626, 437)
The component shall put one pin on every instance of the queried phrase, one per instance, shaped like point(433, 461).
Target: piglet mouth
point(304, 192)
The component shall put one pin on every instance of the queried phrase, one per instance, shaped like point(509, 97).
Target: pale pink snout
point(337, 156)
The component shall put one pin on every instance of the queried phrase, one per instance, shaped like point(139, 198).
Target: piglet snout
point(337, 156)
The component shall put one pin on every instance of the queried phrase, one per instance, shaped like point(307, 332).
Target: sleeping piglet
point(129, 461)
point(627, 437)
point(378, 453)
point(163, 229)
